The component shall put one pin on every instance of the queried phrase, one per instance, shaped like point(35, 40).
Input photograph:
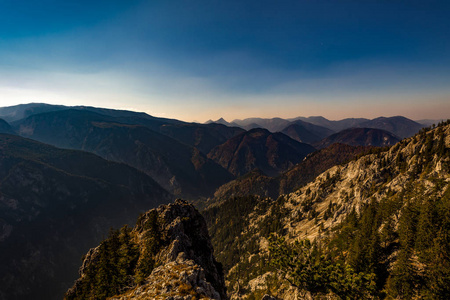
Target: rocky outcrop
point(184, 265)
point(414, 163)
point(179, 279)
point(415, 170)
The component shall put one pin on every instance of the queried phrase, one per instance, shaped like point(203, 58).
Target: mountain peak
point(172, 255)
point(259, 148)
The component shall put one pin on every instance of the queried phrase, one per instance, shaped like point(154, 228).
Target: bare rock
point(185, 268)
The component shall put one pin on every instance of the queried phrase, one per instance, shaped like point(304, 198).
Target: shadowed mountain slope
point(359, 137)
point(54, 205)
point(5, 127)
point(256, 183)
point(333, 125)
point(273, 124)
point(179, 168)
point(306, 132)
point(272, 153)
point(400, 126)
point(202, 136)
point(17, 112)
point(22, 111)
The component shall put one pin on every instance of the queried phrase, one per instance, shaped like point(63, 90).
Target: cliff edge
point(167, 255)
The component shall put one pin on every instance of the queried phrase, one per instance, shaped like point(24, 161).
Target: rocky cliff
point(167, 255)
point(384, 215)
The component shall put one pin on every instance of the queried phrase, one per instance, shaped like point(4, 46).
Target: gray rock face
point(185, 267)
point(186, 231)
point(180, 279)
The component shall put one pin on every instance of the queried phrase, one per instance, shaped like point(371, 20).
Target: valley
point(280, 204)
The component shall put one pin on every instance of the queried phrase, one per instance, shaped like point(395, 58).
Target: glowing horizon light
point(234, 60)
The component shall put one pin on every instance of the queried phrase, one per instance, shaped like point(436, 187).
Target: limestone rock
point(185, 268)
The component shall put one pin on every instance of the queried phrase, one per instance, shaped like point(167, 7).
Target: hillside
point(17, 112)
point(273, 124)
point(5, 127)
point(167, 255)
point(256, 183)
point(22, 111)
point(202, 136)
point(306, 132)
point(332, 125)
point(260, 149)
point(399, 126)
point(54, 205)
point(359, 137)
point(381, 219)
point(179, 168)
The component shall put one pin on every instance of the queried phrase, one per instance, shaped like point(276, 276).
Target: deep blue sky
point(196, 60)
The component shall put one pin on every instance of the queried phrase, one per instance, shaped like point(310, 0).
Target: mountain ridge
point(259, 148)
point(381, 186)
point(257, 183)
point(359, 136)
point(178, 167)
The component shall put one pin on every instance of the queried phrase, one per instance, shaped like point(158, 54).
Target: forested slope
point(376, 227)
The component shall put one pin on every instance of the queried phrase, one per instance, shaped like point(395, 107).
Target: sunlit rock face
point(175, 239)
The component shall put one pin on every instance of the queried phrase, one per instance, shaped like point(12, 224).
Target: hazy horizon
point(230, 120)
point(201, 60)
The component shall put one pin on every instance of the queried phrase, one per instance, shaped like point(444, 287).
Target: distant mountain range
point(359, 137)
point(333, 125)
point(399, 126)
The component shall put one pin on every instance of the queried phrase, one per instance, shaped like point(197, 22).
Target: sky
point(198, 60)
